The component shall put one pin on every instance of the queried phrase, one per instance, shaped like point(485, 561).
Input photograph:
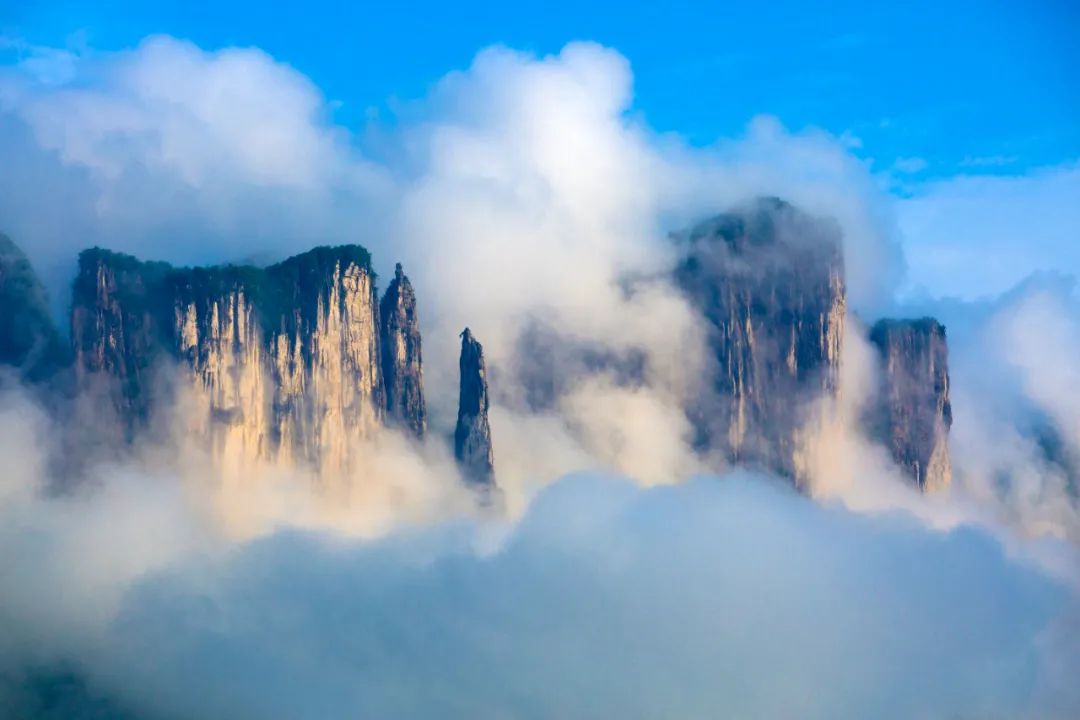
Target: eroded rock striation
point(914, 413)
point(283, 361)
point(301, 362)
point(402, 363)
point(472, 437)
point(769, 280)
point(118, 329)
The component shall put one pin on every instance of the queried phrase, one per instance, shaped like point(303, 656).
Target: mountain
point(119, 319)
point(301, 360)
point(282, 362)
point(402, 362)
point(472, 436)
point(914, 413)
point(29, 341)
point(769, 280)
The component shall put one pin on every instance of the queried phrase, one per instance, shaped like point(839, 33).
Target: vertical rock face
point(118, 327)
point(769, 280)
point(915, 414)
point(402, 364)
point(472, 438)
point(218, 338)
point(324, 347)
point(29, 340)
point(282, 362)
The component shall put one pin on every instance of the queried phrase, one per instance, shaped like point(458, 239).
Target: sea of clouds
point(629, 575)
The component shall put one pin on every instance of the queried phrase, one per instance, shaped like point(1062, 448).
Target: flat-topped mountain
point(284, 360)
point(302, 360)
point(769, 279)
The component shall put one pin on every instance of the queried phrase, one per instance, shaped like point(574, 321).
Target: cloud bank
point(727, 595)
point(527, 200)
point(977, 236)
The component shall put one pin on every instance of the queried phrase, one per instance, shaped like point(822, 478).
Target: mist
point(625, 574)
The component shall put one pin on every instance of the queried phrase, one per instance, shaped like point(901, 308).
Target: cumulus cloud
point(977, 236)
point(733, 595)
point(779, 604)
point(177, 153)
point(1015, 437)
point(523, 191)
point(529, 201)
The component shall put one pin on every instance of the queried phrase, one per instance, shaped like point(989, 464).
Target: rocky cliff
point(914, 413)
point(283, 361)
point(118, 328)
point(29, 341)
point(402, 363)
point(472, 437)
point(769, 281)
point(300, 360)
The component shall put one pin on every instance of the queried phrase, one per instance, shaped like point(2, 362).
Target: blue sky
point(520, 189)
point(965, 113)
point(942, 88)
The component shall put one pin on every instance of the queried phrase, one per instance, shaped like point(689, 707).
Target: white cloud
point(909, 165)
point(974, 236)
point(172, 152)
point(734, 596)
point(988, 160)
point(170, 106)
point(523, 193)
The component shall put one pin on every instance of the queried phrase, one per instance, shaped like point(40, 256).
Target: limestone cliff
point(472, 437)
point(769, 280)
point(29, 340)
point(283, 362)
point(914, 413)
point(118, 329)
point(402, 364)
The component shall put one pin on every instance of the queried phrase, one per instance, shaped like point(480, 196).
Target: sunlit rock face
point(281, 362)
point(769, 280)
point(402, 363)
point(29, 341)
point(915, 414)
point(472, 437)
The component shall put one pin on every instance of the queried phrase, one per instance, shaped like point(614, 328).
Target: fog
point(629, 575)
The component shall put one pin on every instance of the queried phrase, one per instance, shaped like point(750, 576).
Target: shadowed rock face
point(769, 280)
point(915, 414)
point(281, 362)
point(472, 438)
point(298, 360)
point(118, 328)
point(29, 340)
point(402, 365)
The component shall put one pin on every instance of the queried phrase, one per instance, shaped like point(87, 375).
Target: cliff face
point(118, 328)
point(299, 360)
point(402, 364)
point(282, 362)
point(769, 280)
point(472, 437)
point(29, 341)
point(914, 413)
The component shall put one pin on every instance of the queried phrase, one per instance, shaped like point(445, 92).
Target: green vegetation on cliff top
point(278, 292)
